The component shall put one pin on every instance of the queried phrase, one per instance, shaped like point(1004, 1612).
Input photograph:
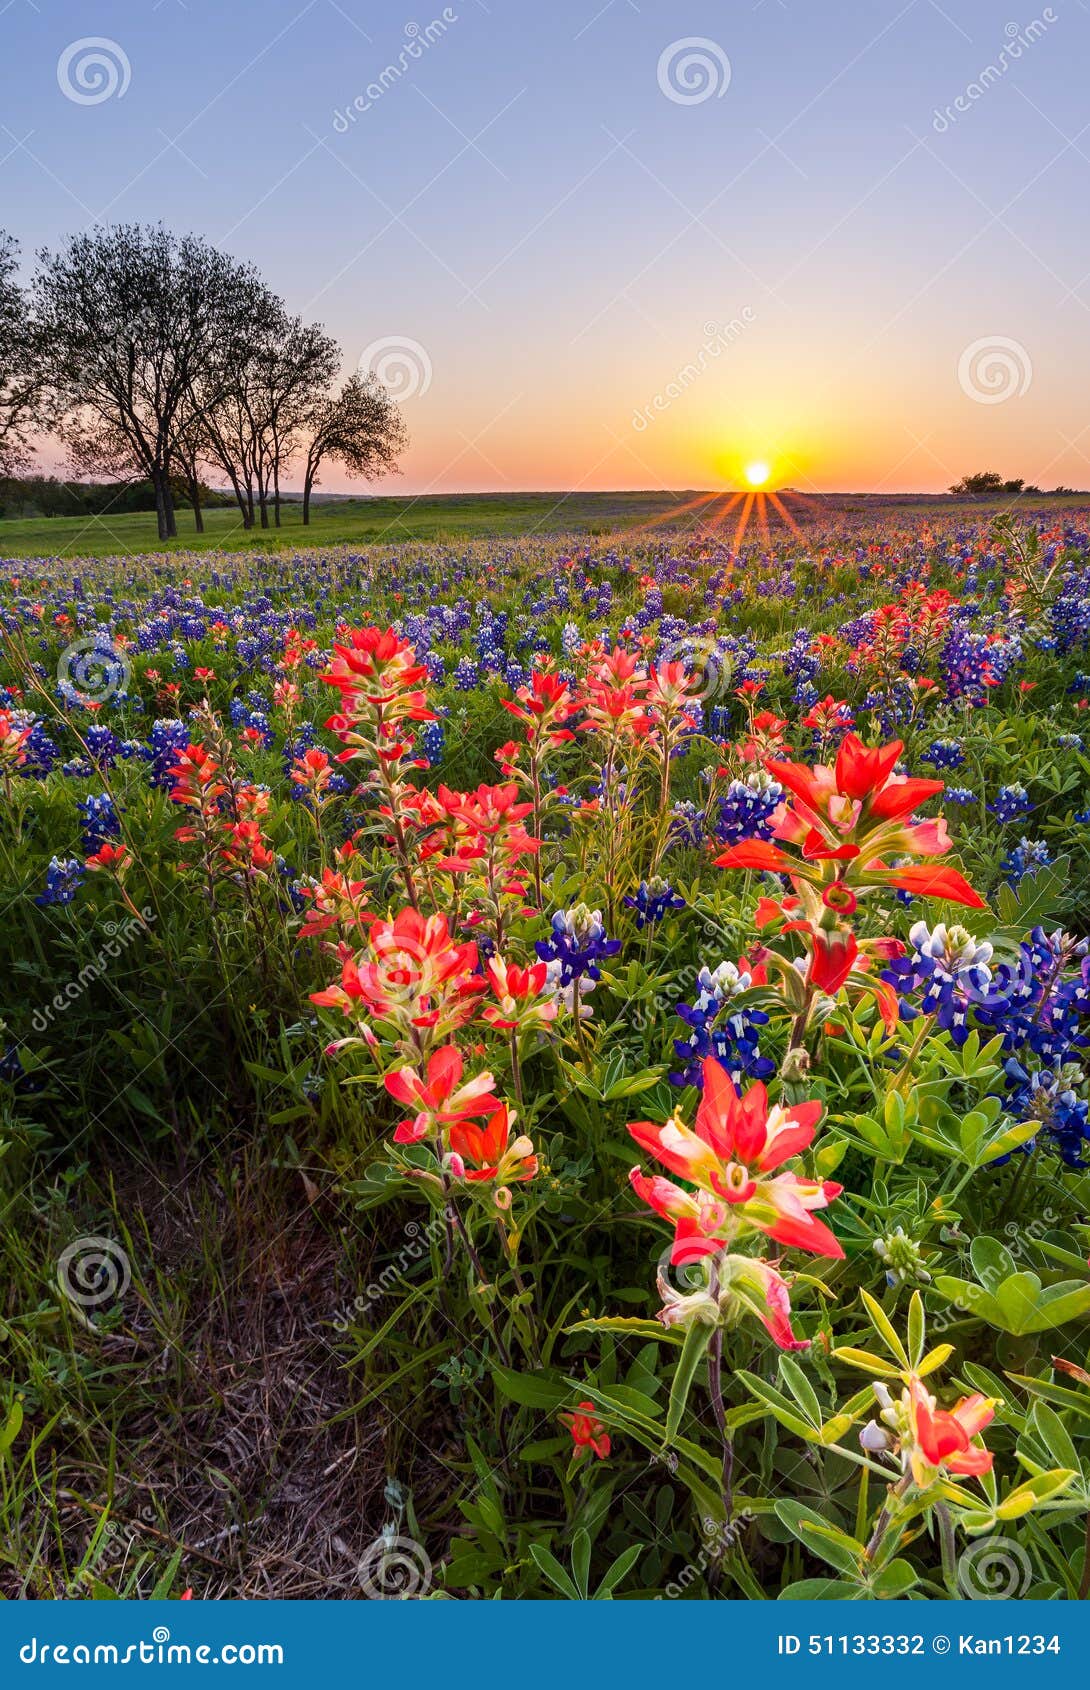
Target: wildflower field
point(549, 1068)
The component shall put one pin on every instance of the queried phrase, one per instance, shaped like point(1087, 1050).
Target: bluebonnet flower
point(1036, 1004)
point(1025, 858)
point(15, 1075)
point(167, 738)
point(686, 823)
point(944, 754)
point(745, 809)
point(466, 675)
point(432, 742)
point(100, 820)
point(40, 753)
point(730, 1035)
point(63, 879)
point(1011, 803)
point(946, 971)
point(103, 744)
point(1046, 1096)
point(654, 898)
point(1069, 742)
point(577, 943)
point(959, 795)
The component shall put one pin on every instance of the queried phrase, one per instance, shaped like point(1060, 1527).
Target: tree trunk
point(168, 503)
point(195, 501)
point(158, 481)
point(307, 485)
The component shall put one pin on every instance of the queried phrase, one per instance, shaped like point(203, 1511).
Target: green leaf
point(580, 1561)
point(1026, 1496)
point(165, 1582)
point(992, 1262)
point(821, 1590)
point(12, 1426)
point(841, 1551)
point(554, 1572)
point(917, 1328)
point(631, 1327)
point(613, 1575)
point(1053, 1434)
point(866, 1361)
point(693, 1351)
point(884, 1328)
point(531, 1391)
point(894, 1581)
point(801, 1389)
point(778, 1403)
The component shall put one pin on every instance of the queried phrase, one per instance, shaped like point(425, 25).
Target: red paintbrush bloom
point(735, 1144)
point(112, 858)
point(440, 1097)
point(491, 1153)
point(587, 1431)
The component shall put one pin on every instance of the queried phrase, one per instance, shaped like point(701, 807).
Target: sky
point(615, 243)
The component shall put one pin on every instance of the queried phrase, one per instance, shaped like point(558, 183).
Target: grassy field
point(450, 517)
point(344, 522)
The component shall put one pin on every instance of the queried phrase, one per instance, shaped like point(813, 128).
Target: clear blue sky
point(530, 203)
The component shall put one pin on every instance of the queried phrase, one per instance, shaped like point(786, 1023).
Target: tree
point(297, 382)
point(361, 429)
point(985, 483)
point(135, 323)
point(21, 383)
point(268, 407)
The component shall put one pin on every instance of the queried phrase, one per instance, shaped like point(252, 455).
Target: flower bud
point(874, 1438)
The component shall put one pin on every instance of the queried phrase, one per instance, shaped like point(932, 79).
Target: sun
point(757, 474)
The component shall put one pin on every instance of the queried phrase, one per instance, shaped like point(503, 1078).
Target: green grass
point(343, 522)
point(445, 517)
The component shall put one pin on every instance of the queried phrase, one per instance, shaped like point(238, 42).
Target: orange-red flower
point(519, 995)
point(411, 974)
point(491, 1152)
point(846, 819)
point(440, 1097)
point(735, 1144)
point(587, 1431)
point(943, 1438)
point(110, 858)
